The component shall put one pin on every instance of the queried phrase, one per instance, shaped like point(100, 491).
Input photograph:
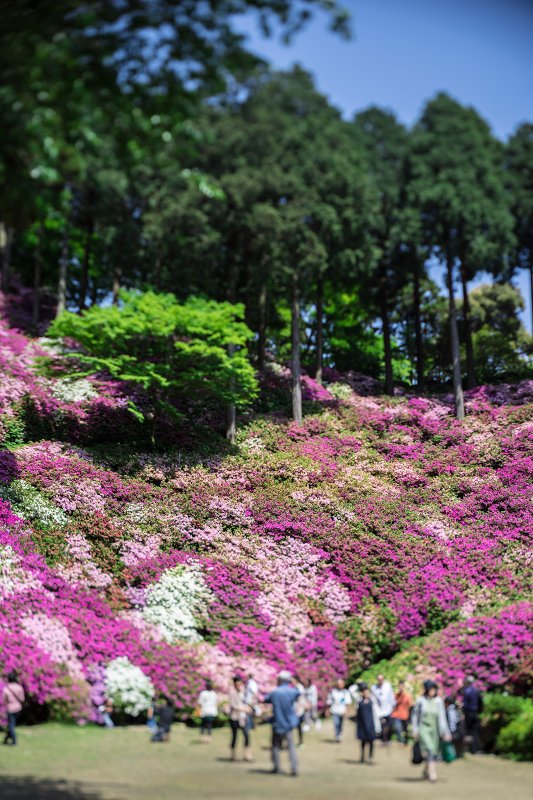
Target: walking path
point(62, 762)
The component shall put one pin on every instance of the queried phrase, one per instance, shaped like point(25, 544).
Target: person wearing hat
point(284, 719)
point(430, 727)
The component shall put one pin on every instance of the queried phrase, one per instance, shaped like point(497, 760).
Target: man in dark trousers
point(472, 708)
point(284, 720)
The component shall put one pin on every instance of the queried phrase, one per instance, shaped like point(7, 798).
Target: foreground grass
point(60, 762)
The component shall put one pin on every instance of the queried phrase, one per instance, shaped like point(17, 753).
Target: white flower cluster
point(136, 513)
point(176, 602)
point(342, 391)
point(77, 390)
point(253, 445)
point(128, 687)
point(28, 503)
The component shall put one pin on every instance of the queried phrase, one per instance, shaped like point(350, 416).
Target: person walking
point(402, 712)
point(208, 707)
point(284, 720)
point(367, 722)
point(13, 696)
point(338, 701)
point(311, 711)
point(430, 727)
point(239, 711)
point(472, 708)
point(384, 696)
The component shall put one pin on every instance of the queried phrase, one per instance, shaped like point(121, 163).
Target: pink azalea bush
point(321, 548)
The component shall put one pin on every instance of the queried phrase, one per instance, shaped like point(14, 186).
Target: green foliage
point(502, 346)
point(369, 637)
point(194, 350)
point(12, 430)
point(507, 725)
point(516, 739)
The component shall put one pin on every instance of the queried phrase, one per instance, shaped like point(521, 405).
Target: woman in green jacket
point(430, 727)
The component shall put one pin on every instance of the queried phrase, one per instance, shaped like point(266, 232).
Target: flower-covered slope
point(323, 548)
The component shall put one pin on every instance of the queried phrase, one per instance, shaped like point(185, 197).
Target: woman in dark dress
point(367, 720)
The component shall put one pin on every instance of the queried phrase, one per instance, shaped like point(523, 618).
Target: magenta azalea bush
point(322, 548)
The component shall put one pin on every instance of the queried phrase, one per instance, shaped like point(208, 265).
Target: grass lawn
point(61, 762)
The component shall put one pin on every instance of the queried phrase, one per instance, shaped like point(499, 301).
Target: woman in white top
point(208, 704)
point(339, 699)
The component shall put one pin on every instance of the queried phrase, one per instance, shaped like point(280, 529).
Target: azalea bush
point(380, 535)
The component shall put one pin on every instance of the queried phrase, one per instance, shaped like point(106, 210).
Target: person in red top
point(13, 696)
point(402, 712)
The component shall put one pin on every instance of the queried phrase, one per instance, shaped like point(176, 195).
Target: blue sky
point(404, 51)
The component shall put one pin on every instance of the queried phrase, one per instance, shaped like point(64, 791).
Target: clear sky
point(404, 51)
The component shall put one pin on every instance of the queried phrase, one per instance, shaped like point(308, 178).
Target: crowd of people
point(438, 725)
point(378, 711)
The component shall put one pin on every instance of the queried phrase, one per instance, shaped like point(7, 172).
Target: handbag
point(448, 752)
point(416, 758)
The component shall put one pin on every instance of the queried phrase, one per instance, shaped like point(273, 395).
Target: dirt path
point(57, 762)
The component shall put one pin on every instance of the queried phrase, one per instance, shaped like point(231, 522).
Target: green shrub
point(516, 739)
point(13, 430)
point(498, 712)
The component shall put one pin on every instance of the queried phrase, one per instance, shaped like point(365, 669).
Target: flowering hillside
point(323, 548)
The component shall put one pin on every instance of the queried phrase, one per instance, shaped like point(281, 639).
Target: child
point(208, 705)
point(368, 724)
point(455, 724)
point(165, 718)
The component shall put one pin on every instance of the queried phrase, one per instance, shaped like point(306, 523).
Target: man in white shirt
point(339, 699)
point(385, 700)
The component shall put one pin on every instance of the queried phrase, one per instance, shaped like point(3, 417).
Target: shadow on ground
point(26, 788)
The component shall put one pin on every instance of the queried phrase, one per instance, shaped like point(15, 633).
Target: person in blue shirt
point(284, 719)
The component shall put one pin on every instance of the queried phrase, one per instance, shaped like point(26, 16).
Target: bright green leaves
point(196, 349)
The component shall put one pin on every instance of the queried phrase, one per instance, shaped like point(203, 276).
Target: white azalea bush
point(128, 688)
point(176, 603)
point(74, 390)
point(28, 503)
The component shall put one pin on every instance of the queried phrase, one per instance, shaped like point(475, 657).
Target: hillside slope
point(322, 548)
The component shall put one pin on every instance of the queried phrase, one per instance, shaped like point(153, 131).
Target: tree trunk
point(6, 237)
point(231, 422)
point(384, 302)
point(470, 363)
point(231, 411)
point(295, 354)
point(117, 278)
point(319, 328)
point(454, 338)
point(37, 272)
point(531, 293)
point(84, 281)
point(261, 341)
point(94, 292)
point(419, 341)
point(63, 270)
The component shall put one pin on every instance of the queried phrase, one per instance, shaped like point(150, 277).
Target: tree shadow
point(9, 469)
point(27, 788)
